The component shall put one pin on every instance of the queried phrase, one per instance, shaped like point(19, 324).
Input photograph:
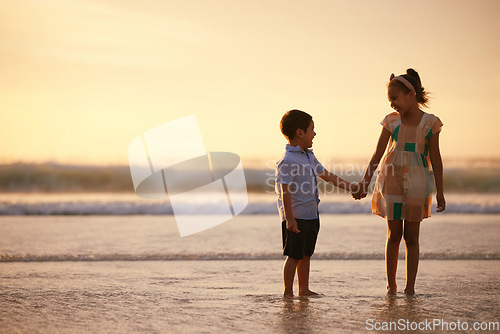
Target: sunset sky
point(80, 79)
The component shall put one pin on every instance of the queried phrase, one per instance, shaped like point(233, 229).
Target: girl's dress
point(404, 180)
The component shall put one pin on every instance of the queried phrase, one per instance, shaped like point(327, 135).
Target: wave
point(116, 204)
point(476, 176)
point(228, 257)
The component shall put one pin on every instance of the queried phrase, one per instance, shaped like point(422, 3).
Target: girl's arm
point(437, 166)
point(372, 166)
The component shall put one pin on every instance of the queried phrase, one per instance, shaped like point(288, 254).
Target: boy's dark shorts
point(298, 245)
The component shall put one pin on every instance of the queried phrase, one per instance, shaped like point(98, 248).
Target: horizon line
point(252, 161)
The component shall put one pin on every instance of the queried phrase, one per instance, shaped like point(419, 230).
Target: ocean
point(93, 260)
point(134, 273)
point(27, 204)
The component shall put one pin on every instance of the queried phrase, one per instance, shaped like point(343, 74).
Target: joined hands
point(357, 190)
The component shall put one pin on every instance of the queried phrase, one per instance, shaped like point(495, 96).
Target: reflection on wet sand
point(396, 313)
point(297, 316)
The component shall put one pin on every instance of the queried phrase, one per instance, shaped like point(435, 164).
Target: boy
point(297, 189)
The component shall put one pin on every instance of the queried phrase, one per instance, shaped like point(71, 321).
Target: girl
point(402, 192)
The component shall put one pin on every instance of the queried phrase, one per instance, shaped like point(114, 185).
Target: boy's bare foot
point(410, 292)
point(309, 293)
point(392, 291)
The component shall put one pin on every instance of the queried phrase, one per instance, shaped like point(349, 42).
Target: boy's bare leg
point(303, 269)
point(288, 274)
point(411, 236)
point(394, 234)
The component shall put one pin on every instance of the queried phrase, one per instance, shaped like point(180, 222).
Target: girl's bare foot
point(288, 294)
point(410, 292)
point(392, 291)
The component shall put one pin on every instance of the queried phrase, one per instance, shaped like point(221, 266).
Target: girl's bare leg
point(394, 234)
point(411, 236)
point(288, 275)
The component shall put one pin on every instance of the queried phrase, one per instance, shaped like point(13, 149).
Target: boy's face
point(308, 136)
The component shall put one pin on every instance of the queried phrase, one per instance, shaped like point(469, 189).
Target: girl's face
point(400, 101)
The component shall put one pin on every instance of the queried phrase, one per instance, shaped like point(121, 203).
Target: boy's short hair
point(293, 120)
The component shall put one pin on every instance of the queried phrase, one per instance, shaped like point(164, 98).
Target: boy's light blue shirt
point(299, 169)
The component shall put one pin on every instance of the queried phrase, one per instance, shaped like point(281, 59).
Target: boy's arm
point(291, 223)
point(337, 181)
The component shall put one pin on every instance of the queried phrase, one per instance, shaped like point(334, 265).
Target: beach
point(141, 143)
point(235, 296)
point(135, 273)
